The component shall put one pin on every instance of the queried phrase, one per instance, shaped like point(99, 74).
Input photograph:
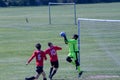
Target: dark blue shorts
point(39, 69)
point(55, 64)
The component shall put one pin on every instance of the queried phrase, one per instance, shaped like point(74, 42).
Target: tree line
point(6, 3)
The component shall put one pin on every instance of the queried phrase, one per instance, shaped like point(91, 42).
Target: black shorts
point(39, 69)
point(55, 64)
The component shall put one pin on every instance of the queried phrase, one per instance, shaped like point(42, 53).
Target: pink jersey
point(40, 56)
point(53, 52)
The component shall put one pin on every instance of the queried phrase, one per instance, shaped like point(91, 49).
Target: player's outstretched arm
point(65, 40)
point(63, 34)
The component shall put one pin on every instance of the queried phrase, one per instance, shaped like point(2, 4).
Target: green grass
point(100, 43)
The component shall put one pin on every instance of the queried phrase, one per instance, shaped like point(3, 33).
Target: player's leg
point(44, 75)
point(51, 69)
point(53, 73)
point(55, 66)
point(78, 67)
point(40, 71)
point(70, 59)
point(36, 76)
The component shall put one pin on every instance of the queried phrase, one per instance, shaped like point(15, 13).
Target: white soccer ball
point(62, 34)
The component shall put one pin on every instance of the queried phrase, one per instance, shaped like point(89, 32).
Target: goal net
point(99, 44)
point(62, 13)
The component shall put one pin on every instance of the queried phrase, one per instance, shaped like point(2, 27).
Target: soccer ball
point(62, 34)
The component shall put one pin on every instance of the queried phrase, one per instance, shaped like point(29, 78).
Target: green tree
point(3, 3)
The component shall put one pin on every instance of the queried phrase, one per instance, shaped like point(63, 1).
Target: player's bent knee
point(68, 59)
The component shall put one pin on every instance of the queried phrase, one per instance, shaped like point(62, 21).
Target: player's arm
point(57, 48)
point(45, 53)
point(45, 56)
point(30, 59)
point(62, 34)
point(65, 39)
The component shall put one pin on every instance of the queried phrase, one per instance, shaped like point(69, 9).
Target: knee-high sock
point(51, 69)
point(53, 73)
point(78, 67)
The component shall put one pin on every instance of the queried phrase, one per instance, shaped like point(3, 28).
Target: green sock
point(78, 68)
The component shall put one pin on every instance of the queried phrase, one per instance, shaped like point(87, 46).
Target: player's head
point(38, 46)
point(50, 44)
point(75, 36)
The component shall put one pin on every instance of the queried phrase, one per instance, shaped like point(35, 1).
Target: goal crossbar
point(102, 20)
point(51, 3)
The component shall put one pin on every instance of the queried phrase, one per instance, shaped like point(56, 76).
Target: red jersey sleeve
point(46, 51)
point(57, 48)
point(31, 58)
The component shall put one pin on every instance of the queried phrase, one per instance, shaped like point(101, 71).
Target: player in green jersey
point(73, 52)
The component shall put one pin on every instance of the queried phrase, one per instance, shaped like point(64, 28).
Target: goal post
point(96, 26)
point(74, 10)
point(97, 20)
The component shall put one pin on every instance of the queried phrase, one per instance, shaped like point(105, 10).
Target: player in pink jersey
point(52, 52)
point(40, 57)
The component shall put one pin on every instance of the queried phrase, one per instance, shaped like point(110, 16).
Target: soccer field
point(100, 43)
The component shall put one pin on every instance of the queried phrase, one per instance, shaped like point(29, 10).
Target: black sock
point(51, 69)
point(53, 73)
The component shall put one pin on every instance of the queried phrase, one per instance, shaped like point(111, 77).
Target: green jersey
point(72, 44)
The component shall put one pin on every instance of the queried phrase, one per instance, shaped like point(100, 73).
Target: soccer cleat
point(79, 75)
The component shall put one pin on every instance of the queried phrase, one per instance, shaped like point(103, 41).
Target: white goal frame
point(86, 19)
point(51, 3)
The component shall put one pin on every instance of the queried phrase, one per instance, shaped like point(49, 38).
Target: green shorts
point(72, 55)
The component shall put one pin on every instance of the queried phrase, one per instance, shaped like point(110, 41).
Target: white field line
point(103, 76)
